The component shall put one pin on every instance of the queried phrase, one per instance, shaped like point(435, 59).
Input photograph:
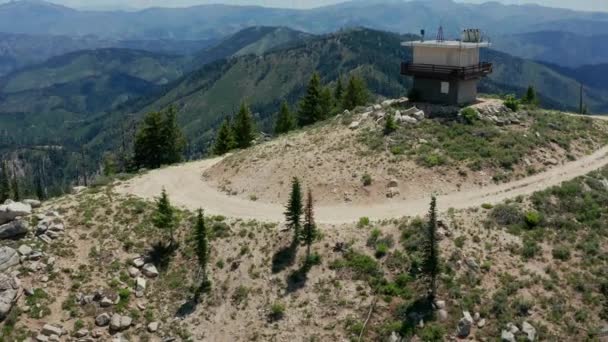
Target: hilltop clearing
point(93, 267)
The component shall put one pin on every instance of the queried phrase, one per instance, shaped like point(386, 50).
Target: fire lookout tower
point(447, 72)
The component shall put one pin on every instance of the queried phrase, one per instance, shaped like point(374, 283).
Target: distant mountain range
point(214, 21)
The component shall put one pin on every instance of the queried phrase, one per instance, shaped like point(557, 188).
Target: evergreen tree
point(309, 232)
point(159, 141)
point(202, 245)
point(40, 193)
point(326, 103)
point(531, 97)
point(5, 188)
point(285, 120)
point(173, 142)
point(224, 141)
point(430, 263)
point(243, 127)
point(15, 188)
point(148, 143)
point(356, 93)
point(310, 106)
point(165, 217)
point(293, 213)
point(339, 91)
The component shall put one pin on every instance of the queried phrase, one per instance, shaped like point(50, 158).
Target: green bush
point(469, 115)
point(561, 253)
point(533, 219)
point(431, 332)
point(512, 102)
point(363, 222)
point(277, 311)
point(366, 179)
point(381, 250)
point(506, 215)
point(530, 248)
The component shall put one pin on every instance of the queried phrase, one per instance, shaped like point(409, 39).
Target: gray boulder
point(10, 211)
point(49, 329)
point(529, 330)
point(14, 229)
point(33, 203)
point(8, 258)
point(507, 336)
point(102, 319)
point(464, 325)
point(150, 271)
point(9, 288)
point(120, 323)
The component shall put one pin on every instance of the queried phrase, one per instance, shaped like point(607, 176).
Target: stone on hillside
point(133, 271)
point(140, 284)
point(119, 322)
point(102, 320)
point(81, 333)
point(8, 258)
point(418, 115)
point(406, 120)
point(78, 189)
point(9, 289)
point(49, 329)
point(512, 328)
point(45, 238)
point(481, 323)
point(392, 192)
point(472, 264)
point(14, 229)
point(138, 261)
point(354, 125)
point(464, 325)
point(507, 336)
point(56, 227)
point(9, 212)
point(442, 314)
point(410, 111)
point(33, 203)
point(25, 250)
point(153, 327)
point(42, 338)
point(149, 270)
point(377, 107)
point(394, 337)
point(106, 302)
point(529, 330)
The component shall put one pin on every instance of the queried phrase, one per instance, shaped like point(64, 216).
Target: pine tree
point(326, 102)
point(356, 93)
point(148, 142)
point(430, 263)
point(530, 98)
point(310, 106)
point(243, 127)
point(15, 188)
point(165, 217)
point(285, 120)
point(40, 193)
point(173, 142)
point(5, 188)
point(309, 232)
point(339, 91)
point(293, 213)
point(202, 245)
point(224, 141)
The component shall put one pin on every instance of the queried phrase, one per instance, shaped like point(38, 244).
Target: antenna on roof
point(440, 37)
point(422, 35)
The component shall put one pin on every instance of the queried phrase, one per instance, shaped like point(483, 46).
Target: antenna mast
point(440, 37)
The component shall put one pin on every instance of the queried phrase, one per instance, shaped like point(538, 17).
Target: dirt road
point(186, 187)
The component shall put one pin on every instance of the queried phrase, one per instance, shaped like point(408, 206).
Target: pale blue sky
point(587, 5)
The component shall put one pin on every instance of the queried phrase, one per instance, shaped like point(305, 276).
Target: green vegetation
point(512, 103)
point(309, 233)
point(243, 127)
point(285, 120)
point(430, 262)
point(165, 217)
point(311, 109)
point(294, 210)
point(202, 248)
point(5, 188)
point(479, 144)
point(224, 141)
point(356, 93)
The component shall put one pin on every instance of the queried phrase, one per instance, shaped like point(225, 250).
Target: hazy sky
point(588, 5)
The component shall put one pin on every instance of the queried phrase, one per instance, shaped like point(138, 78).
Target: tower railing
point(444, 72)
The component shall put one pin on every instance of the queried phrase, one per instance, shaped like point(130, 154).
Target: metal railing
point(446, 72)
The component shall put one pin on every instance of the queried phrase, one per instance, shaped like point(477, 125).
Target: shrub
point(530, 248)
point(506, 215)
point(469, 115)
point(487, 206)
point(363, 222)
point(366, 179)
point(561, 253)
point(381, 250)
point(459, 241)
point(533, 219)
point(432, 332)
point(512, 102)
point(277, 311)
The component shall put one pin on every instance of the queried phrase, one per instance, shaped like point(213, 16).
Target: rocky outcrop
point(14, 229)
point(13, 210)
point(8, 258)
point(120, 323)
point(9, 289)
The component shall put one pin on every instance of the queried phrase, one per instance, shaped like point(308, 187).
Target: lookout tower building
point(447, 72)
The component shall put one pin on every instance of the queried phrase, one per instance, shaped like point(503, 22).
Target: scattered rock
point(150, 271)
point(138, 262)
point(8, 258)
point(392, 192)
point(406, 120)
point(42, 338)
point(81, 333)
point(354, 125)
point(394, 337)
point(102, 320)
point(140, 284)
point(464, 325)
point(507, 336)
point(119, 322)
point(512, 328)
point(472, 264)
point(9, 289)
point(49, 329)
point(529, 330)
point(153, 327)
point(442, 314)
point(133, 272)
point(106, 302)
point(481, 323)
point(32, 203)
point(25, 250)
point(14, 229)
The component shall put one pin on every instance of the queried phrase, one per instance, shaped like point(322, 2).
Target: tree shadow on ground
point(189, 307)
point(160, 255)
point(298, 278)
point(411, 315)
point(284, 258)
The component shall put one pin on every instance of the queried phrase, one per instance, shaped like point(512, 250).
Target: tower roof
point(455, 44)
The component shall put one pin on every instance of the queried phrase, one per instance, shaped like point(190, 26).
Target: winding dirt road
point(186, 187)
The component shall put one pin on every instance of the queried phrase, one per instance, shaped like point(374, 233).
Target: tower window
point(445, 87)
